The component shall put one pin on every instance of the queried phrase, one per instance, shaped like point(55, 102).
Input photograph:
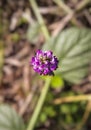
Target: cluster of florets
point(44, 62)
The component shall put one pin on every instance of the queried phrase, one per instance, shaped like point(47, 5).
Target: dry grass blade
point(27, 101)
point(62, 24)
point(1, 59)
point(40, 19)
point(88, 16)
point(52, 10)
point(82, 4)
point(72, 99)
point(63, 6)
point(67, 10)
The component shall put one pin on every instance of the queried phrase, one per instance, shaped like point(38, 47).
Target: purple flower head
point(44, 62)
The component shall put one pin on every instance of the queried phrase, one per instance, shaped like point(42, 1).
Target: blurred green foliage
point(57, 82)
point(67, 113)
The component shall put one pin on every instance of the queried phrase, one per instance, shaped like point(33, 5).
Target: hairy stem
point(39, 105)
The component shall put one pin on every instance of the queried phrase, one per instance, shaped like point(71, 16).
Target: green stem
point(39, 105)
point(40, 19)
point(45, 89)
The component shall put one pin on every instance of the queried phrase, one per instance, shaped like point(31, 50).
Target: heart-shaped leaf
point(73, 49)
point(9, 119)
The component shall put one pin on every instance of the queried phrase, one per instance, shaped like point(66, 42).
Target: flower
point(44, 62)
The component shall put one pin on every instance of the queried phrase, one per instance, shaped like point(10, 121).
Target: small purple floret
point(44, 62)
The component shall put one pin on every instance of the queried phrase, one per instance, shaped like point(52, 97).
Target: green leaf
point(9, 119)
point(73, 49)
point(69, 108)
point(65, 109)
point(49, 110)
point(57, 82)
point(43, 117)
